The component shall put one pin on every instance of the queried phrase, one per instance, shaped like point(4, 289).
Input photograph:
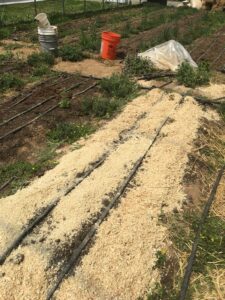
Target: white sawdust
point(24, 281)
point(120, 265)
point(86, 200)
point(28, 200)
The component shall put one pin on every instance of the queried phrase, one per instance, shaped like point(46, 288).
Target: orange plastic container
point(110, 40)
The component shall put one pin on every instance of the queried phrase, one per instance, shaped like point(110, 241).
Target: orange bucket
point(110, 40)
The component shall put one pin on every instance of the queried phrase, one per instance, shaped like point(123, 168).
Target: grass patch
point(14, 46)
point(72, 53)
point(23, 171)
point(135, 66)
point(5, 57)
point(9, 80)
point(192, 77)
point(40, 70)
point(118, 86)
point(90, 41)
point(43, 58)
point(65, 103)
point(68, 132)
point(100, 107)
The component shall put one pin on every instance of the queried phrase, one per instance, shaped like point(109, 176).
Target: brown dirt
point(90, 67)
point(132, 44)
point(210, 48)
point(25, 143)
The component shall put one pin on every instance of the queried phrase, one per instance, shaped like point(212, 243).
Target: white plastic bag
point(168, 55)
point(43, 21)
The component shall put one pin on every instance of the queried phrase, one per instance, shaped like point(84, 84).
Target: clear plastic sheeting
point(168, 56)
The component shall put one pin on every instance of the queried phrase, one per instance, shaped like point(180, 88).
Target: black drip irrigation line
point(26, 111)
point(20, 101)
point(78, 251)
point(155, 87)
point(157, 75)
point(218, 57)
point(47, 210)
point(44, 113)
point(6, 183)
point(85, 90)
point(191, 259)
point(29, 122)
point(31, 93)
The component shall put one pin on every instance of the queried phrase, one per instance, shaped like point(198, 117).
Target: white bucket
point(48, 38)
point(51, 30)
point(43, 20)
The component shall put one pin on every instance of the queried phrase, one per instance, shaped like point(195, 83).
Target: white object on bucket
point(43, 21)
point(196, 4)
point(168, 55)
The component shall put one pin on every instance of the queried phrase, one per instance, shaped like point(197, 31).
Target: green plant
point(9, 80)
point(160, 259)
point(135, 66)
point(221, 110)
point(71, 53)
point(43, 58)
point(90, 41)
point(64, 103)
point(13, 46)
point(118, 86)
point(68, 132)
point(128, 29)
point(100, 107)
point(4, 33)
point(6, 56)
point(192, 77)
point(41, 70)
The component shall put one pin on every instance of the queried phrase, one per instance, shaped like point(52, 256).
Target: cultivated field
point(105, 166)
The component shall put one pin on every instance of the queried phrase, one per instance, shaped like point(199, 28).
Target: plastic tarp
point(168, 55)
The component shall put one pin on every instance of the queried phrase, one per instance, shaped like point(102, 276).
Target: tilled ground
point(119, 263)
point(25, 143)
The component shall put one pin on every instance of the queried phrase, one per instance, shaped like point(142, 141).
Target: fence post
point(85, 5)
point(103, 4)
point(63, 7)
point(35, 7)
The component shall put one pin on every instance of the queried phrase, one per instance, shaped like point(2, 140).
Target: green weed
point(100, 107)
point(71, 53)
point(90, 41)
point(118, 86)
point(6, 56)
point(23, 171)
point(41, 70)
point(128, 29)
point(65, 103)
point(9, 80)
point(5, 33)
point(68, 132)
point(192, 77)
point(135, 66)
point(43, 58)
point(160, 259)
point(221, 110)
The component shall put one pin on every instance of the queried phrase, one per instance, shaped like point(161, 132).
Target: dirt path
point(120, 264)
